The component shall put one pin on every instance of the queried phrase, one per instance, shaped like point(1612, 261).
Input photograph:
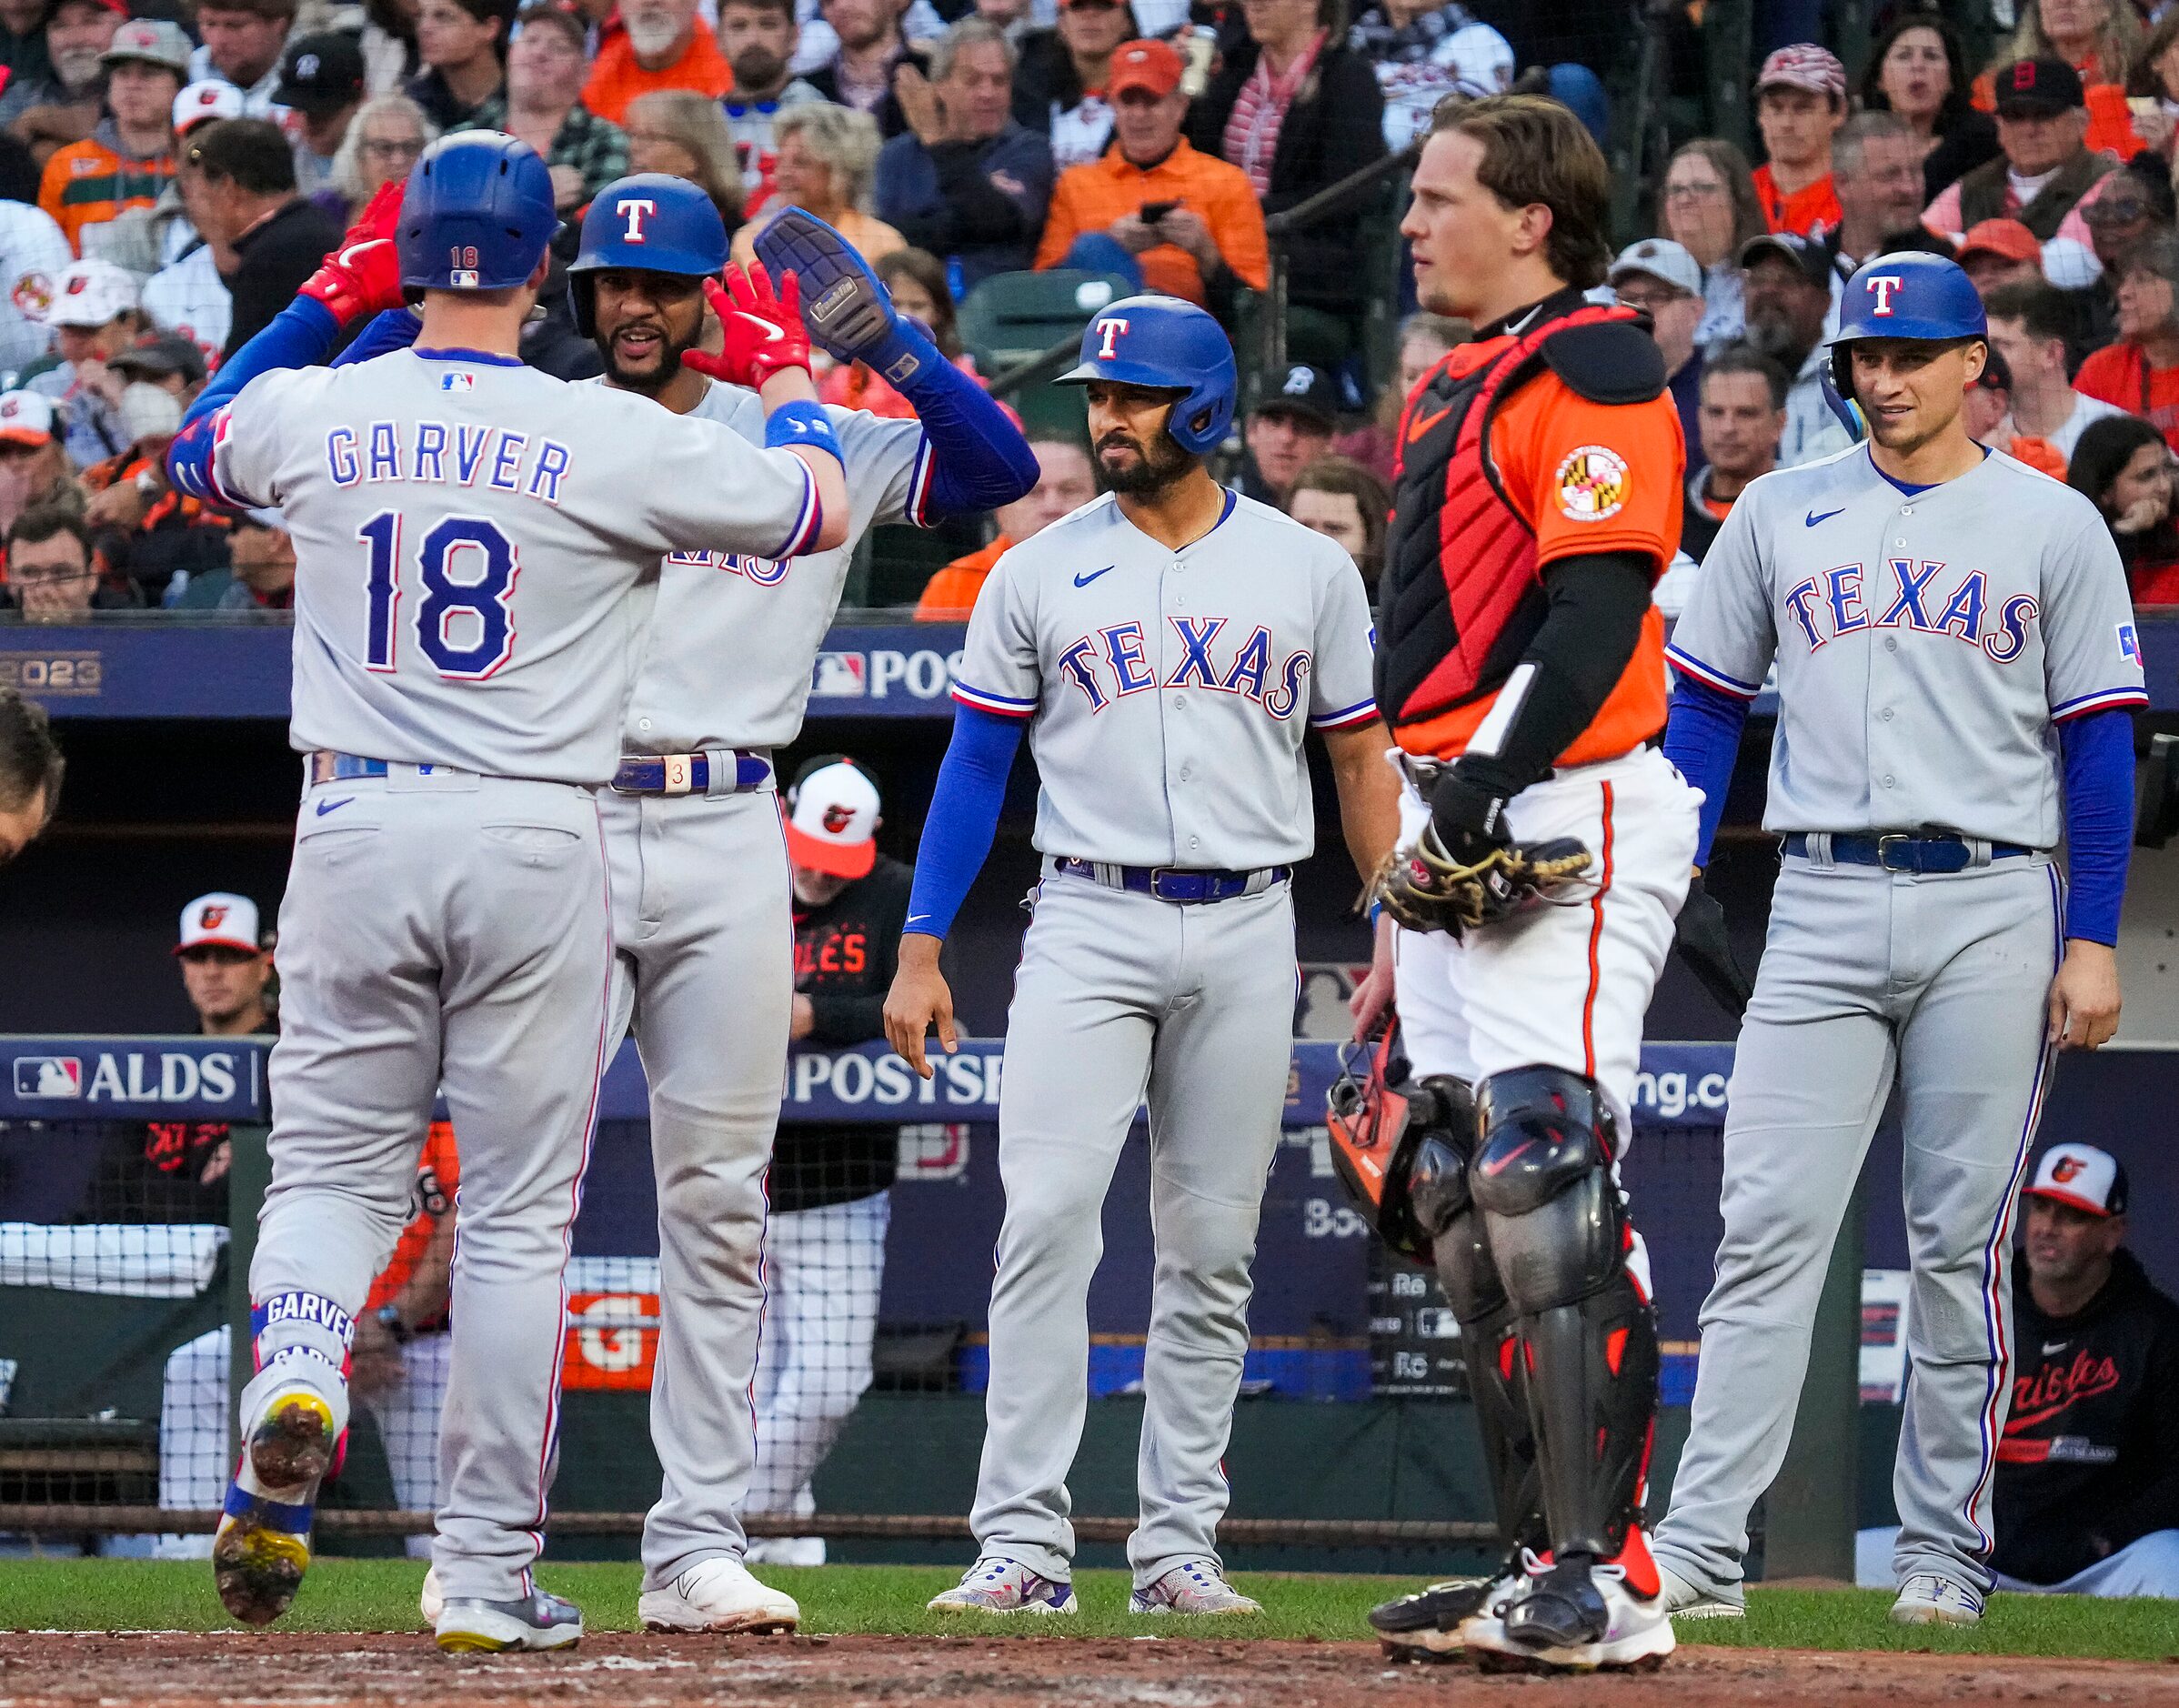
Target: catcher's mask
point(1374, 1140)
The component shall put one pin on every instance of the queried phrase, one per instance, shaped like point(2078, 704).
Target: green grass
point(381, 1595)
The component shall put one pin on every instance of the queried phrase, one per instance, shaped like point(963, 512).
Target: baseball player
point(1521, 664)
point(471, 539)
point(1956, 658)
point(1167, 647)
point(702, 917)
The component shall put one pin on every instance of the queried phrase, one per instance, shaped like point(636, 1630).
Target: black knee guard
point(1438, 1188)
point(1559, 1233)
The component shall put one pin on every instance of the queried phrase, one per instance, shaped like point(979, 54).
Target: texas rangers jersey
point(766, 616)
point(1168, 691)
point(467, 532)
point(1927, 641)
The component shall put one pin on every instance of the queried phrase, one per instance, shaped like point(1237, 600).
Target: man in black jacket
point(824, 1247)
point(2087, 1499)
point(248, 200)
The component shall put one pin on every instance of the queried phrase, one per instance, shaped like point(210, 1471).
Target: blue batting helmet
point(476, 215)
point(649, 223)
point(1904, 295)
point(1163, 342)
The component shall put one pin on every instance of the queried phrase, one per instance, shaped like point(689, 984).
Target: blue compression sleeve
point(963, 816)
point(2098, 750)
point(300, 336)
point(1701, 738)
point(395, 330)
point(978, 458)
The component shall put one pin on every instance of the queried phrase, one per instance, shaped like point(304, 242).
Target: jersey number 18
point(463, 626)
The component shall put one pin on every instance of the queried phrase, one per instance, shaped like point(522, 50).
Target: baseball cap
point(1804, 66)
point(1997, 374)
point(321, 74)
point(1152, 65)
point(1807, 255)
point(152, 42)
point(221, 919)
point(2037, 88)
point(119, 7)
point(161, 358)
point(1302, 390)
point(211, 99)
point(2007, 239)
point(90, 294)
point(27, 417)
point(833, 824)
point(1661, 259)
point(2082, 1176)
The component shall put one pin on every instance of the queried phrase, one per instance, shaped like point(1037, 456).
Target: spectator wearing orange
point(542, 105)
point(2045, 176)
point(2100, 40)
point(2123, 466)
point(1338, 497)
point(663, 44)
point(128, 158)
point(1065, 482)
point(1999, 252)
point(1154, 208)
point(2140, 373)
point(1988, 407)
point(463, 45)
point(1800, 104)
point(2030, 325)
point(828, 161)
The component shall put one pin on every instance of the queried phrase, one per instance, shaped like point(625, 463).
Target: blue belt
point(692, 773)
point(1897, 851)
point(1173, 883)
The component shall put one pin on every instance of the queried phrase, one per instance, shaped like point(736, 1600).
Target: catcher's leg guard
point(1558, 1234)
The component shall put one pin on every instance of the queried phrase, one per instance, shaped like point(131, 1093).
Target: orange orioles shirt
point(1516, 451)
point(439, 1177)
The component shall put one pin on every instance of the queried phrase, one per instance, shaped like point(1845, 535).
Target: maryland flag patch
point(1592, 484)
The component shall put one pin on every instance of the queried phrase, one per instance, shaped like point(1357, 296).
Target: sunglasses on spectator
point(398, 148)
point(2115, 211)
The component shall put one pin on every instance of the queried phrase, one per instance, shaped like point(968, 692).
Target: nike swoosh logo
point(1083, 581)
point(1498, 1165)
point(2050, 1347)
point(772, 332)
point(1813, 518)
point(325, 807)
point(1422, 423)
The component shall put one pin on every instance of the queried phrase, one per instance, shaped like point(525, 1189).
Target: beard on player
point(642, 349)
point(1129, 466)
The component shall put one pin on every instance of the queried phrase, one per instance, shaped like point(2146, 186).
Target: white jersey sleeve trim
point(1717, 678)
point(983, 699)
point(2104, 699)
point(1361, 713)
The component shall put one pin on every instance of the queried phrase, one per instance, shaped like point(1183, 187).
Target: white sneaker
point(432, 1600)
point(1194, 1586)
point(1928, 1598)
point(537, 1621)
point(717, 1595)
point(1684, 1598)
point(1005, 1586)
point(1608, 1628)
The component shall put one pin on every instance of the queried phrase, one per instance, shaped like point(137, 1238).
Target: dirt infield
point(242, 1671)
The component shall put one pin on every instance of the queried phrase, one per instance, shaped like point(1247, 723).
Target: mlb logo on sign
point(458, 382)
point(48, 1076)
point(2129, 644)
point(840, 675)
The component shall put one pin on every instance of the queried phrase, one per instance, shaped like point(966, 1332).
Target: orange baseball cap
point(2007, 239)
point(1151, 66)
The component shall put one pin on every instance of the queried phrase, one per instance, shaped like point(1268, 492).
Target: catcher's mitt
point(1424, 889)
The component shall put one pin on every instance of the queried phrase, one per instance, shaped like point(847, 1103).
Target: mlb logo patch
point(2129, 644)
point(49, 1076)
point(839, 676)
point(458, 382)
point(461, 279)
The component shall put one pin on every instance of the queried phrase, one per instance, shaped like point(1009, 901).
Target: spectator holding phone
point(1155, 209)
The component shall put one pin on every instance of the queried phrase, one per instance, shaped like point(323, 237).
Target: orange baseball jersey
point(88, 184)
point(951, 595)
point(439, 1177)
point(617, 79)
point(1812, 210)
point(1090, 196)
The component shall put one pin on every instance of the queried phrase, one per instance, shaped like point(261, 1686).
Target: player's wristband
point(802, 426)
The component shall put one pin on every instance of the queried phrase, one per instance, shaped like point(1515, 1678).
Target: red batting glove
point(380, 216)
point(763, 328)
point(358, 281)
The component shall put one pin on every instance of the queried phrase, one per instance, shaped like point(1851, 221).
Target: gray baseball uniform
point(1927, 642)
point(1167, 693)
point(464, 622)
point(703, 927)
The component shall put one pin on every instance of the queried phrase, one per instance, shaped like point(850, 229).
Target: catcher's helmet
point(648, 223)
point(1163, 342)
point(476, 215)
point(1904, 295)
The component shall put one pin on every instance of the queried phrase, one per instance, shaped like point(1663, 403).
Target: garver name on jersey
point(1906, 594)
point(1110, 665)
point(432, 453)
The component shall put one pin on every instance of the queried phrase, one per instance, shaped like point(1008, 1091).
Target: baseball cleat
point(1431, 1624)
point(1928, 1598)
point(536, 1620)
point(1686, 1599)
point(717, 1595)
point(1572, 1618)
point(431, 1601)
point(1194, 1586)
point(262, 1547)
point(1005, 1586)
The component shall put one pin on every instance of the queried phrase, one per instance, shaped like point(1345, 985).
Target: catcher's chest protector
point(1463, 596)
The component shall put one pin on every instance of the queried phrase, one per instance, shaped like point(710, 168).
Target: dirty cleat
point(1194, 1586)
point(1432, 1623)
point(263, 1544)
point(1686, 1599)
point(717, 1595)
point(1928, 1598)
point(1573, 1618)
point(537, 1621)
point(1005, 1586)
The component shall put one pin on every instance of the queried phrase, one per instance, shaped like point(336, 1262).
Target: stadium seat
point(1012, 316)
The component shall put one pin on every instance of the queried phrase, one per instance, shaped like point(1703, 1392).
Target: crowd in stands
point(171, 170)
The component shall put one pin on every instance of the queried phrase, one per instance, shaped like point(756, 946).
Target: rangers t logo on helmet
point(1884, 284)
point(1109, 331)
point(633, 209)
